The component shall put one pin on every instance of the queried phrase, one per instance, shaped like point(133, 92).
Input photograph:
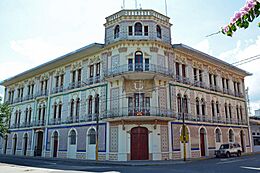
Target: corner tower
point(137, 24)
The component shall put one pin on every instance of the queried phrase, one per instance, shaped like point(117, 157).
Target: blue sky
point(35, 31)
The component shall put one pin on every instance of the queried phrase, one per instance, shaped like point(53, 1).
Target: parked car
point(228, 150)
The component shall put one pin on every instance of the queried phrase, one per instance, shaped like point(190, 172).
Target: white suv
point(229, 149)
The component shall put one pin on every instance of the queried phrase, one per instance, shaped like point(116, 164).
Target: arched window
point(138, 29)
point(30, 116)
point(237, 113)
point(217, 107)
point(203, 107)
point(197, 106)
point(213, 108)
point(179, 103)
point(159, 31)
point(73, 137)
point(231, 135)
point(92, 137)
point(230, 112)
point(55, 111)
point(26, 115)
point(72, 107)
point(116, 31)
point(138, 61)
point(226, 110)
point(218, 135)
point(77, 107)
point(59, 110)
point(90, 100)
point(97, 104)
point(241, 113)
point(185, 104)
point(43, 112)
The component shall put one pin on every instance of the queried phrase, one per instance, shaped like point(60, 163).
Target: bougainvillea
point(243, 17)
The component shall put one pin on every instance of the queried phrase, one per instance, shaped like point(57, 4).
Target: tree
point(243, 17)
point(5, 112)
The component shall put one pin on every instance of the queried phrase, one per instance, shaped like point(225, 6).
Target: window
point(57, 81)
point(90, 105)
point(98, 69)
point(30, 115)
point(197, 106)
point(146, 64)
point(226, 111)
point(231, 135)
point(177, 69)
point(215, 79)
point(256, 141)
point(32, 89)
point(213, 108)
point(241, 113)
point(183, 70)
point(130, 30)
point(227, 85)
point(73, 137)
point(73, 77)
point(59, 110)
point(130, 106)
point(39, 113)
point(159, 31)
point(203, 107)
point(79, 75)
point(146, 30)
point(92, 137)
point(200, 75)
point(195, 74)
point(26, 115)
point(217, 107)
point(210, 79)
point(72, 107)
point(223, 83)
point(185, 104)
point(77, 107)
point(130, 64)
point(61, 79)
point(54, 110)
point(138, 29)
point(138, 61)
point(218, 135)
point(230, 111)
point(237, 113)
point(116, 32)
point(43, 112)
point(91, 71)
point(179, 103)
point(28, 90)
point(97, 104)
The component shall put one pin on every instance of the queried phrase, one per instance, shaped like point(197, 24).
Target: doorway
point(138, 61)
point(55, 144)
point(25, 143)
point(202, 142)
point(139, 143)
point(38, 147)
point(242, 140)
point(6, 142)
point(14, 144)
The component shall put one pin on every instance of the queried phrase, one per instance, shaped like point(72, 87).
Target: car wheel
point(228, 154)
point(238, 153)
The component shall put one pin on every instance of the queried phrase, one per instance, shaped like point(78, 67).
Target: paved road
point(243, 164)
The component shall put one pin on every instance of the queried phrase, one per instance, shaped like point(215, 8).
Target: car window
point(224, 146)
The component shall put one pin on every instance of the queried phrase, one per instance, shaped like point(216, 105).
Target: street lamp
point(97, 118)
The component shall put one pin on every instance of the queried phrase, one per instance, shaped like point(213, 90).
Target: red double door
point(139, 143)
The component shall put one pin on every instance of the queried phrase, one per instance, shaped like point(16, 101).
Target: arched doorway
point(138, 61)
point(55, 144)
point(72, 144)
point(91, 144)
point(203, 142)
point(39, 142)
point(139, 143)
point(14, 144)
point(242, 140)
point(25, 143)
point(6, 142)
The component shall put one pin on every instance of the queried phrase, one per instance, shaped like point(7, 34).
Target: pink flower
point(226, 28)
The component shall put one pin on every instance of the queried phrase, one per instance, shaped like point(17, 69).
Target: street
point(242, 164)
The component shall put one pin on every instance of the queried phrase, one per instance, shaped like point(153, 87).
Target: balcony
point(131, 71)
point(55, 121)
point(42, 93)
point(38, 123)
point(57, 89)
point(21, 125)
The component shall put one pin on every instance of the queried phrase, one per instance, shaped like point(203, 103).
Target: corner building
point(138, 86)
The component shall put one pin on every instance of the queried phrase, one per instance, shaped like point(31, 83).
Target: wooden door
point(139, 143)
point(202, 143)
point(55, 145)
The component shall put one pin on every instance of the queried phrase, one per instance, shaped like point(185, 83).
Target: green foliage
point(5, 112)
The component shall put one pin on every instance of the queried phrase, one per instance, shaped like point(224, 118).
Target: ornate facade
point(139, 86)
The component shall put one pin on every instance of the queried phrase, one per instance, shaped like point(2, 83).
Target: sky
point(35, 31)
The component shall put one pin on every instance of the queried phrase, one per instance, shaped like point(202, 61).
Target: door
point(38, 151)
point(55, 144)
point(5, 147)
point(139, 143)
point(91, 144)
point(25, 143)
point(242, 141)
point(202, 142)
point(14, 144)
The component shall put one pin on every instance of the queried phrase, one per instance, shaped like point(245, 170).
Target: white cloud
point(246, 49)
point(204, 46)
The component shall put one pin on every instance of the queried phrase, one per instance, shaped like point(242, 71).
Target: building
point(255, 129)
point(136, 86)
point(257, 113)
